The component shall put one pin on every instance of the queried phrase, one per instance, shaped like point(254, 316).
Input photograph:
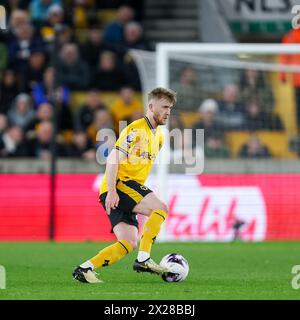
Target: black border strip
point(123, 246)
point(122, 150)
point(149, 123)
point(159, 215)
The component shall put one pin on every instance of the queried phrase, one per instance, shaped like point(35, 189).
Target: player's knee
point(162, 206)
point(131, 239)
point(133, 242)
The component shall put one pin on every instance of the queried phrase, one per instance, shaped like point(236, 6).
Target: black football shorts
point(130, 193)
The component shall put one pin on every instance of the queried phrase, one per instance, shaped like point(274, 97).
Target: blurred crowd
point(246, 106)
point(53, 48)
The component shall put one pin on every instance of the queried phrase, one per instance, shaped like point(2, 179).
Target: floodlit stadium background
point(249, 187)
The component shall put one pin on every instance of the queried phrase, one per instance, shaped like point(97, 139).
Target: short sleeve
point(127, 140)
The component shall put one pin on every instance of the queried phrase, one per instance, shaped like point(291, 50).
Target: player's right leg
point(127, 236)
point(125, 227)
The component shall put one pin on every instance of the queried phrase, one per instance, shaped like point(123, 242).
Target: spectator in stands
point(3, 123)
point(83, 13)
point(21, 112)
point(35, 71)
point(215, 146)
point(71, 70)
point(256, 119)
point(178, 141)
point(138, 5)
point(133, 36)
point(131, 73)
point(114, 31)
point(39, 10)
point(22, 46)
point(14, 5)
point(175, 121)
point(94, 46)
point(254, 86)
point(64, 34)
point(86, 112)
point(109, 76)
point(102, 120)
point(17, 19)
point(11, 143)
point(40, 146)
point(43, 113)
point(43, 91)
point(188, 89)
point(292, 37)
point(208, 119)
point(55, 18)
point(126, 108)
point(254, 149)
point(81, 147)
point(231, 111)
point(9, 89)
point(3, 55)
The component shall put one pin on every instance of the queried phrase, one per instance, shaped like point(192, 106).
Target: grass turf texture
point(217, 271)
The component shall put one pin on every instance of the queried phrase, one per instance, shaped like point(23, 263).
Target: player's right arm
point(123, 148)
point(111, 171)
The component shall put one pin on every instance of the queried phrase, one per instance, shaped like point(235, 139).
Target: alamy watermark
point(187, 147)
point(295, 283)
point(2, 278)
point(2, 18)
point(296, 19)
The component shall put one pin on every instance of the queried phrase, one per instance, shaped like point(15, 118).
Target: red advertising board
point(201, 208)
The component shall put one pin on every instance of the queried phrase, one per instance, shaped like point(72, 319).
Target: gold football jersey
point(141, 143)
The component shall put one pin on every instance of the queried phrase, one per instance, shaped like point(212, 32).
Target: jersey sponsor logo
point(147, 155)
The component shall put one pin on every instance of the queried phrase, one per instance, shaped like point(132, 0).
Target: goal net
point(246, 97)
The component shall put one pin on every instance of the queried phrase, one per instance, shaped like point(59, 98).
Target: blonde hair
point(159, 93)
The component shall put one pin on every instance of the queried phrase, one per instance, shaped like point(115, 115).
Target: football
point(178, 266)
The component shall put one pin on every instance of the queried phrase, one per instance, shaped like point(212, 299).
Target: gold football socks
point(111, 254)
point(150, 232)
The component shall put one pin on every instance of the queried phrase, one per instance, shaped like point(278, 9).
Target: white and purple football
point(178, 266)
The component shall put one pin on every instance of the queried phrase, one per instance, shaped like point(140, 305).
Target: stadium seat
point(106, 15)
point(189, 119)
point(277, 142)
point(78, 98)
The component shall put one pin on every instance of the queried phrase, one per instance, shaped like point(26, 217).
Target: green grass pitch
point(217, 271)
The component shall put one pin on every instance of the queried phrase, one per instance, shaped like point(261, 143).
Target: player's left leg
point(156, 210)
